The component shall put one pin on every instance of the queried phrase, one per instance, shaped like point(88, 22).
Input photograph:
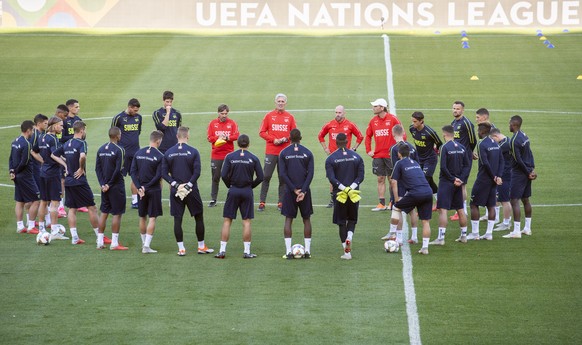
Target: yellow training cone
point(579, 77)
point(464, 39)
point(474, 77)
point(543, 38)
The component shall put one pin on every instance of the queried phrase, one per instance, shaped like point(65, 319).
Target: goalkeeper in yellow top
point(345, 171)
point(181, 169)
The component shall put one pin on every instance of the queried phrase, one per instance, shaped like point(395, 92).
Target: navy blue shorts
point(151, 204)
point(127, 164)
point(50, 188)
point(36, 177)
point(484, 193)
point(345, 212)
point(290, 206)
point(113, 202)
point(520, 185)
point(429, 166)
point(192, 201)
point(449, 196)
point(239, 199)
point(504, 189)
point(423, 204)
point(25, 189)
point(79, 196)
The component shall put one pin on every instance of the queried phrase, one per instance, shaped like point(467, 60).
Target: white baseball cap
point(380, 101)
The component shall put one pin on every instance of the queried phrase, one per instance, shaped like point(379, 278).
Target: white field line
point(389, 82)
point(409, 292)
point(517, 111)
point(3, 185)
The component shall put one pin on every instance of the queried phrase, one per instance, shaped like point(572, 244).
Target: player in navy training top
point(129, 122)
point(146, 173)
point(296, 168)
point(522, 174)
point(108, 166)
point(484, 192)
point(70, 119)
point(427, 144)
point(20, 168)
point(181, 168)
point(167, 121)
point(344, 169)
point(418, 193)
point(395, 232)
point(77, 191)
point(237, 174)
point(481, 116)
point(40, 124)
point(50, 177)
point(454, 172)
point(465, 135)
point(504, 189)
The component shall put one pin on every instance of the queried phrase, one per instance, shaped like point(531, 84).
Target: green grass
point(504, 291)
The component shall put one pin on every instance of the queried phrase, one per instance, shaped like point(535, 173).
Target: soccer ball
point(391, 246)
point(298, 251)
point(43, 238)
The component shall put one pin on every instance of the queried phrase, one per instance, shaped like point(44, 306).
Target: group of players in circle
point(51, 155)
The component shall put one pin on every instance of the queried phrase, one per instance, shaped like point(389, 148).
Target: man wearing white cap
point(380, 127)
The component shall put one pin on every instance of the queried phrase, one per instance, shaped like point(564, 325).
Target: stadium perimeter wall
point(290, 14)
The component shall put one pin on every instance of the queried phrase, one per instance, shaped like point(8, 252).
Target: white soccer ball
point(43, 238)
point(58, 229)
point(391, 246)
point(298, 251)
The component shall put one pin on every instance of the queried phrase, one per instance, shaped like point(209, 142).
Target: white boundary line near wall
point(409, 292)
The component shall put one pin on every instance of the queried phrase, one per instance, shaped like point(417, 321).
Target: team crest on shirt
point(228, 126)
point(345, 128)
point(286, 120)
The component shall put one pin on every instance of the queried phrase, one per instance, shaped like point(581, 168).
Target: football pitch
point(484, 292)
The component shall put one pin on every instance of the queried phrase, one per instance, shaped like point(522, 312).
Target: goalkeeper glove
point(342, 196)
point(183, 190)
point(354, 195)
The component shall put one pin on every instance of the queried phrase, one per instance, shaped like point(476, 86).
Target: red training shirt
point(381, 130)
point(334, 128)
point(276, 125)
point(227, 128)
